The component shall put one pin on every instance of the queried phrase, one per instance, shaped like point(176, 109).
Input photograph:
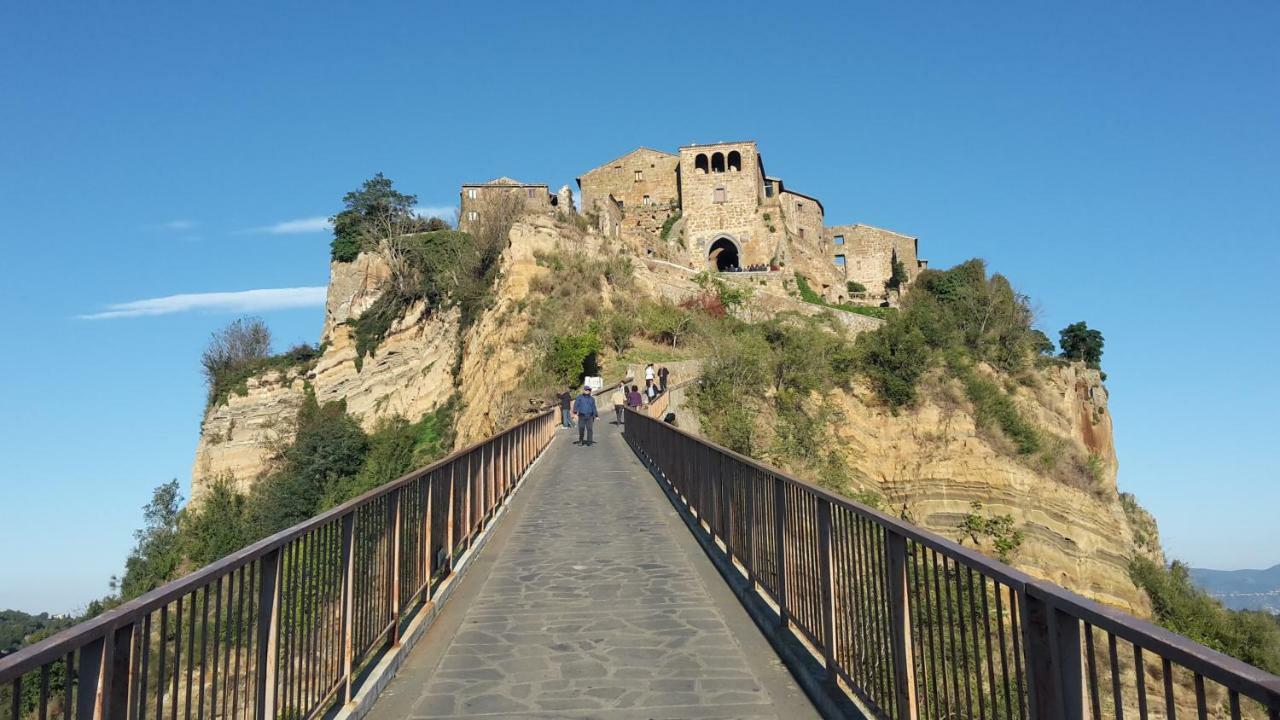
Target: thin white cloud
point(175, 225)
point(300, 226)
point(259, 300)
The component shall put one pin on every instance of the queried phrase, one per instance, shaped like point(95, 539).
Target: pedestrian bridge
point(651, 575)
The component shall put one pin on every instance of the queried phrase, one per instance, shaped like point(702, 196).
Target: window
point(799, 206)
point(473, 216)
point(801, 232)
point(700, 163)
point(639, 175)
point(735, 160)
point(532, 193)
point(768, 189)
point(471, 194)
point(839, 239)
point(647, 201)
point(839, 261)
point(717, 163)
point(720, 195)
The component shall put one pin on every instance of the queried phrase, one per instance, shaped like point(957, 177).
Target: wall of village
point(733, 213)
point(869, 253)
point(656, 179)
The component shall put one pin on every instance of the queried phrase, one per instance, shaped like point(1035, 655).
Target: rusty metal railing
point(284, 627)
point(915, 626)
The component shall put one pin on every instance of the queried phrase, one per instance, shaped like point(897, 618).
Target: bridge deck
point(592, 600)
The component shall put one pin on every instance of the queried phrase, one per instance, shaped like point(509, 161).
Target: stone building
point(641, 178)
point(866, 254)
point(537, 198)
point(713, 206)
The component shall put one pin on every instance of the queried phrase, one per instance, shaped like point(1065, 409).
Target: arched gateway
point(723, 254)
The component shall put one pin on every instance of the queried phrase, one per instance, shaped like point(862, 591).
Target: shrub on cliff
point(373, 213)
point(1182, 607)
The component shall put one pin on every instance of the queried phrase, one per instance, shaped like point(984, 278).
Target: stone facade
point(537, 198)
point(720, 190)
point(732, 216)
point(866, 255)
point(641, 178)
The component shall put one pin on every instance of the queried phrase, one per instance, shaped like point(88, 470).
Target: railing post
point(900, 624)
point(393, 555)
point(268, 631)
point(427, 536)
point(94, 676)
point(449, 513)
point(779, 545)
point(121, 673)
point(348, 603)
point(828, 588)
point(1051, 639)
point(750, 527)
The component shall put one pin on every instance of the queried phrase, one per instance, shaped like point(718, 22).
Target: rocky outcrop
point(931, 462)
point(409, 374)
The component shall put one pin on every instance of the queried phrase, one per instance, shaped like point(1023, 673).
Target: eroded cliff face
point(930, 463)
point(410, 374)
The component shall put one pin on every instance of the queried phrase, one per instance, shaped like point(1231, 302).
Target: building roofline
point(603, 165)
point(809, 197)
point(722, 142)
point(874, 227)
point(515, 184)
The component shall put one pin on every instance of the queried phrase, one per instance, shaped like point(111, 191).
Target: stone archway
point(723, 254)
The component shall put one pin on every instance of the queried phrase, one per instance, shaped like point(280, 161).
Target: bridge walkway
point(592, 599)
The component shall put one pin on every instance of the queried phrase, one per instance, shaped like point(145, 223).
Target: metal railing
point(915, 626)
point(284, 627)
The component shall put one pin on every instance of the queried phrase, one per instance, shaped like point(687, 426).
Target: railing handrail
point(1230, 672)
point(56, 646)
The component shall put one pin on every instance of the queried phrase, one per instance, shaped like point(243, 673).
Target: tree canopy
point(1080, 342)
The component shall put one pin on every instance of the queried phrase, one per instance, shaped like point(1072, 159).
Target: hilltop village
point(714, 206)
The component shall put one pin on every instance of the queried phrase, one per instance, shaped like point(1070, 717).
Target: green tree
point(373, 213)
point(216, 527)
point(1080, 342)
point(156, 555)
point(1041, 343)
point(898, 273)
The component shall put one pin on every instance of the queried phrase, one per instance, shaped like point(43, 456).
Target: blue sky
point(1120, 164)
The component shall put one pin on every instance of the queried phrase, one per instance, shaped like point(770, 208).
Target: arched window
point(717, 163)
point(700, 163)
point(735, 161)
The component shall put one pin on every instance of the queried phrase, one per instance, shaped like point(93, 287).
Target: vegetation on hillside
point(1249, 635)
point(440, 268)
point(374, 213)
point(242, 350)
point(809, 295)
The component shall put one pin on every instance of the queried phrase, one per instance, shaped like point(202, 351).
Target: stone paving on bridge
point(592, 600)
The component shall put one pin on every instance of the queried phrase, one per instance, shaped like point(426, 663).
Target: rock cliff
point(932, 462)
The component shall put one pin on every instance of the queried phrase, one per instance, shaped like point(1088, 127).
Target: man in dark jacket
point(584, 408)
point(565, 399)
point(663, 374)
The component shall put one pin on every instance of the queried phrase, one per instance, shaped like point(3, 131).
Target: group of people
point(583, 408)
point(757, 267)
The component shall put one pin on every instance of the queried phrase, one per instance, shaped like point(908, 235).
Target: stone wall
point(640, 174)
point(869, 253)
point(722, 203)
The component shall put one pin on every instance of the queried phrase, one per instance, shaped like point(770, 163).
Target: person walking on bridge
point(584, 409)
point(619, 400)
point(565, 399)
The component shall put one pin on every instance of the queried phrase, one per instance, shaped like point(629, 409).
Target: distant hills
point(1242, 589)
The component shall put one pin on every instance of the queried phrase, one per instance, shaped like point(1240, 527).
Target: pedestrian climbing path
point(592, 600)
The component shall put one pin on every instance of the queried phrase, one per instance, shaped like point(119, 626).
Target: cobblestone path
point(592, 600)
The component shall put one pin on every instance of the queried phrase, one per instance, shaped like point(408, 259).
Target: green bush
point(809, 295)
point(573, 356)
point(1079, 342)
point(1180, 606)
point(855, 287)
